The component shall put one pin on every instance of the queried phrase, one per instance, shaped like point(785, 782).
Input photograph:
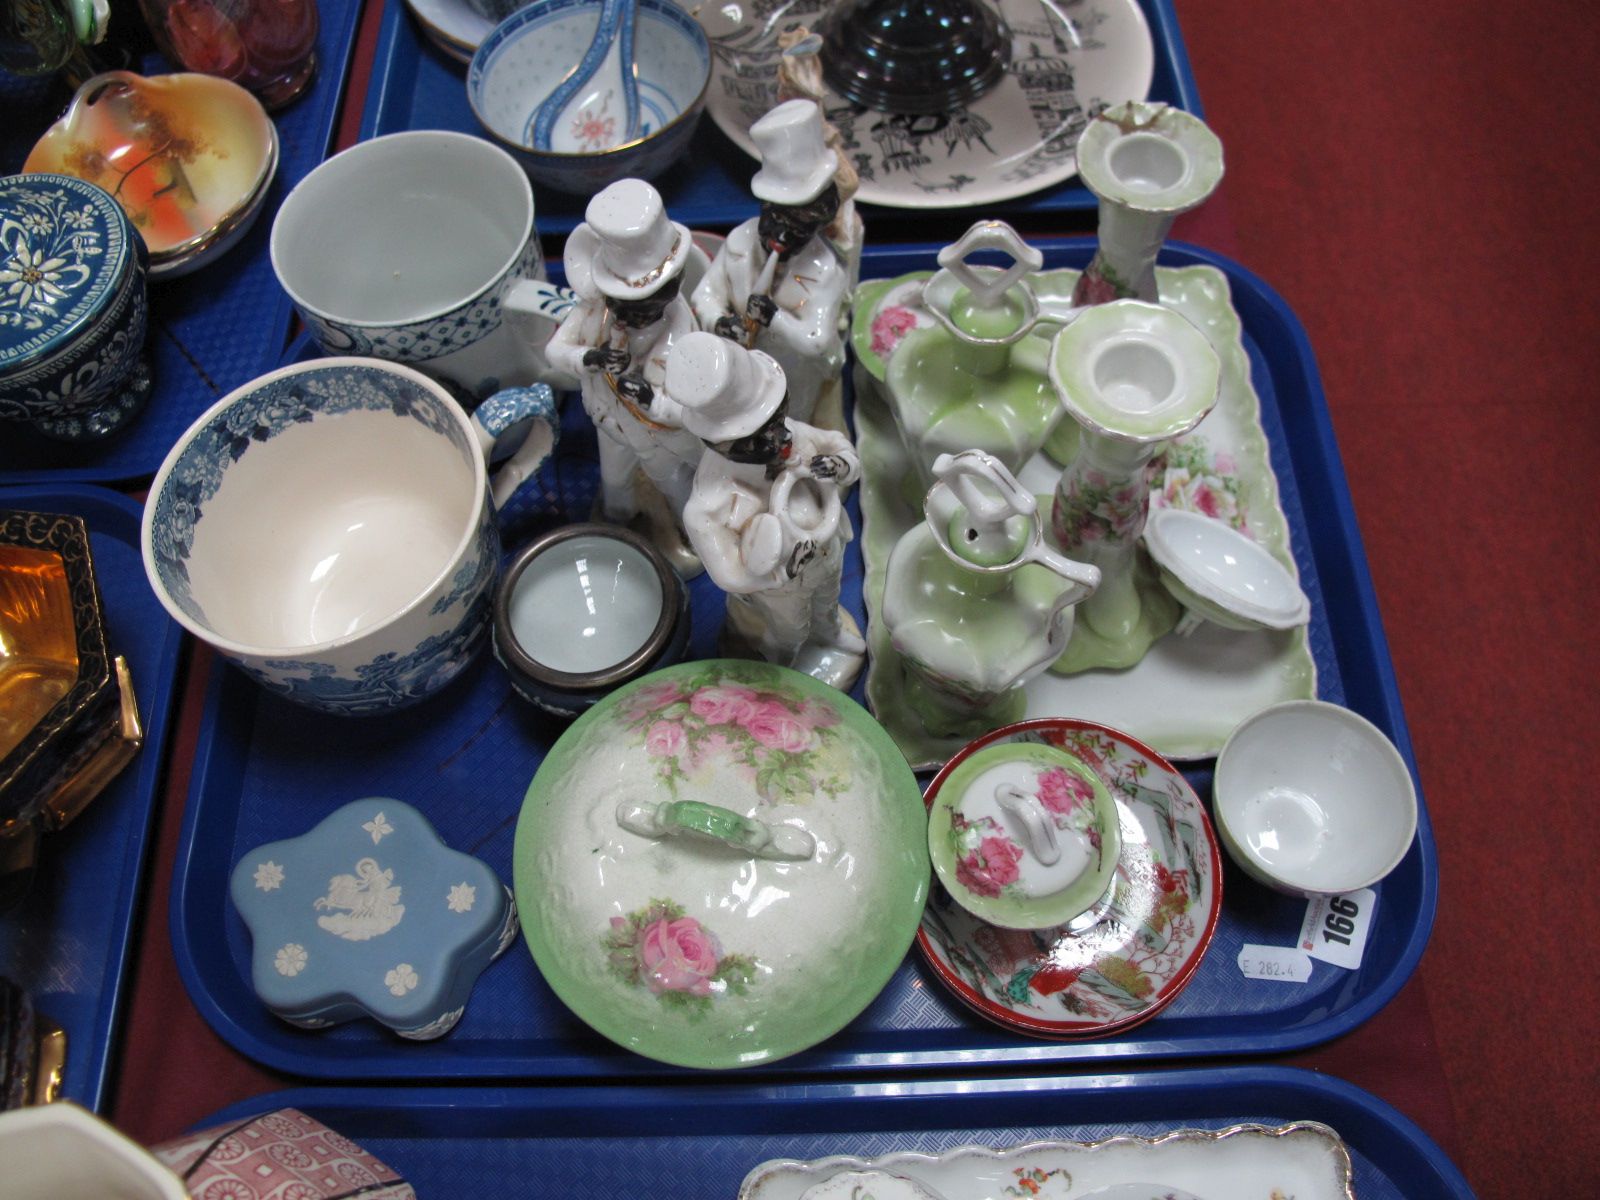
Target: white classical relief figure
point(367, 903)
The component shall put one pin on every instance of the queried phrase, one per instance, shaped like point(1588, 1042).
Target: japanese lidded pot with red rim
point(721, 864)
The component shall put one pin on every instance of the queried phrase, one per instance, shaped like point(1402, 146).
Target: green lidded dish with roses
point(721, 864)
point(1024, 836)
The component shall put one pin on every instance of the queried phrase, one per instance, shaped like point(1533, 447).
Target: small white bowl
point(1313, 800)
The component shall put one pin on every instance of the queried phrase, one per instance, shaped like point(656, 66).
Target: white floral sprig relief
point(291, 959)
point(269, 876)
point(461, 897)
point(402, 979)
point(378, 827)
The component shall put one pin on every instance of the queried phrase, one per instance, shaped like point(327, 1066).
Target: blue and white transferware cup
point(73, 309)
point(329, 527)
point(420, 247)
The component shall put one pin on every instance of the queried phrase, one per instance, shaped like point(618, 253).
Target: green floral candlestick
point(1134, 376)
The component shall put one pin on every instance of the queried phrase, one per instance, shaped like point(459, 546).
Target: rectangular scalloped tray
point(266, 770)
point(415, 85)
point(211, 331)
point(67, 942)
point(660, 1142)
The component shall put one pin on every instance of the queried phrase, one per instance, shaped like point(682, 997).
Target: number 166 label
point(1335, 927)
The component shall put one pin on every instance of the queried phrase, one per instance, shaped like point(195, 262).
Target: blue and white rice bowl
point(529, 53)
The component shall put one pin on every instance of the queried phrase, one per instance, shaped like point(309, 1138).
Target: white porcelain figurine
point(777, 284)
point(626, 263)
point(766, 516)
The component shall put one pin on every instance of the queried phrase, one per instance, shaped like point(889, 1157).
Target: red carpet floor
point(1418, 180)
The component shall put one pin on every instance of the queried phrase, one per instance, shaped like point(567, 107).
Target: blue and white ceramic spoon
point(577, 117)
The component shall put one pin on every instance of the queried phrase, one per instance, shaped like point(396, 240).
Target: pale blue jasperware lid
point(370, 913)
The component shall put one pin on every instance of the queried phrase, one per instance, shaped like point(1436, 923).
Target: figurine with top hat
point(777, 284)
point(766, 515)
point(625, 262)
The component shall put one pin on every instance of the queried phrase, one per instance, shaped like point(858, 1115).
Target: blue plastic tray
point(67, 943)
point(266, 770)
point(660, 1142)
point(210, 331)
point(415, 85)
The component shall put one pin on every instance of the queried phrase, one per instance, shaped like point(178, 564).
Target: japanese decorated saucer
point(1068, 61)
point(1129, 956)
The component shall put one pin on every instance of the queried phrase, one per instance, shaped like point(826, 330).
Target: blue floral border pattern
point(434, 338)
point(473, 574)
point(390, 681)
point(258, 416)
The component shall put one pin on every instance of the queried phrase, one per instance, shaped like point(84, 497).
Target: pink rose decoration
point(664, 739)
point(889, 326)
point(654, 697)
point(990, 867)
point(723, 704)
point(678, 956)
point(776, 728)
point(1061, 791)
point(1094, 288)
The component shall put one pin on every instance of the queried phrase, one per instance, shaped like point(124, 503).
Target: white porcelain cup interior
point(61, 1152)
point(585, 604)
point(402, 228)
point(1317, 796)
point(1148, 162)
point(1135, 373)
point(335, 525)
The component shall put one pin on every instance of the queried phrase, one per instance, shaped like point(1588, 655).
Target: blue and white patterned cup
point(73, 309)
point(420, 247)
point(329, 527)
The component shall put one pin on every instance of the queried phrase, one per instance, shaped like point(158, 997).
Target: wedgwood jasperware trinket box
point(73, 309)
point(370, 914)
point(721, 864)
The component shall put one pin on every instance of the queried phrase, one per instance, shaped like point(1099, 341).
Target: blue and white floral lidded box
point(371, 914)
point(73, 309)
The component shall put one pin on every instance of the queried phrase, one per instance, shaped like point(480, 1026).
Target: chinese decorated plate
point(1069, 58)
point(721, 864)
point(1126, 959)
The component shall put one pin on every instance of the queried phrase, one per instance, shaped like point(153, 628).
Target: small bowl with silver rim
point(584, 609)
